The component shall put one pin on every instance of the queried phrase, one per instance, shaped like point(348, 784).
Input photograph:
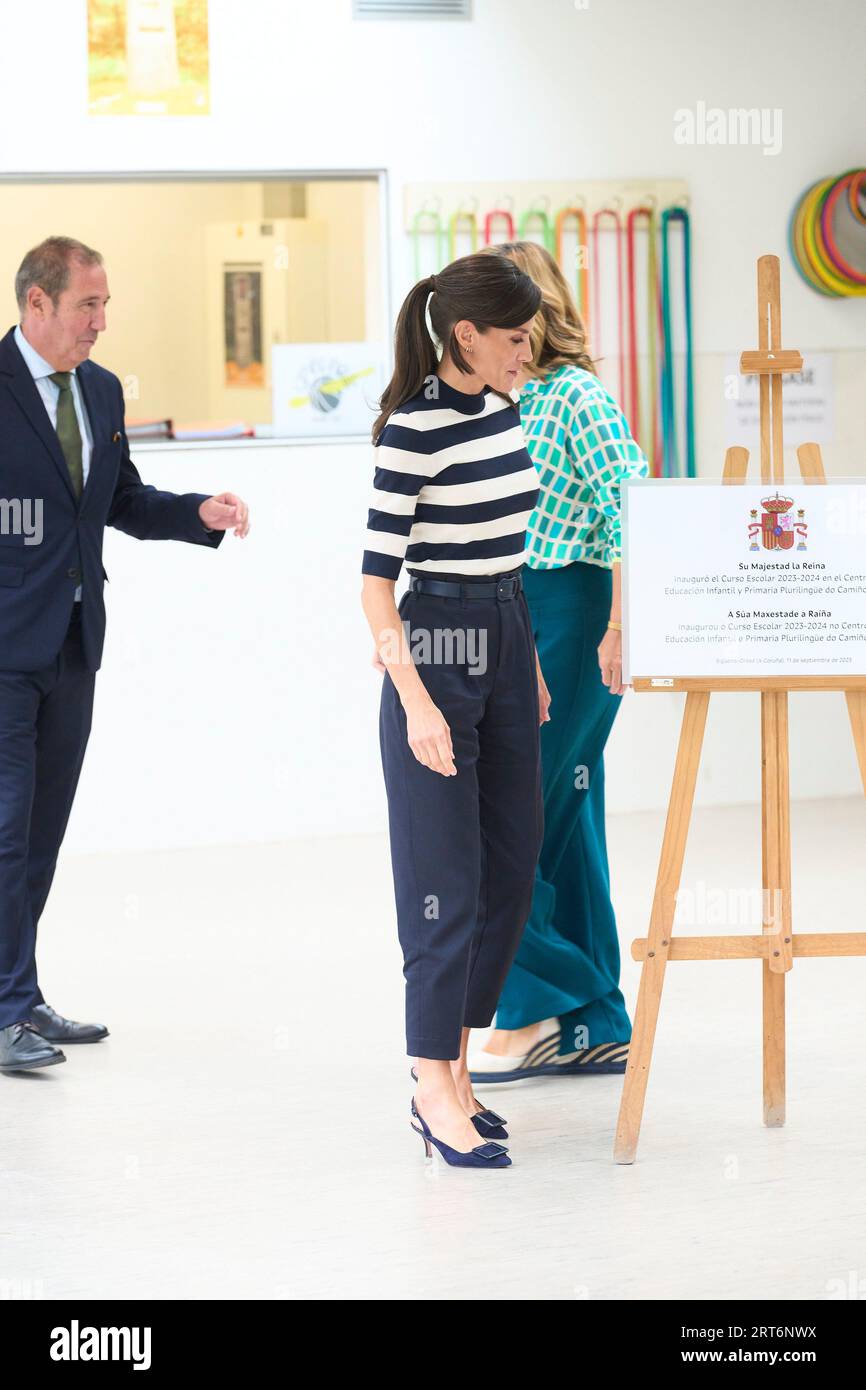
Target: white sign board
point(758, 579)
point(326, 388)
point(807, 402)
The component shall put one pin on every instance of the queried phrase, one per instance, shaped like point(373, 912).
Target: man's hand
point(225, 511)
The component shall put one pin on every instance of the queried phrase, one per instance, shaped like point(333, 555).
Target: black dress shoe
point(22, 1049)
point(54, 1028)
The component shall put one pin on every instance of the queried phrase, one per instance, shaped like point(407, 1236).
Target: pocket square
point(115, 438)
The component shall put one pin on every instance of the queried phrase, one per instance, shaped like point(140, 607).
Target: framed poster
point(326, 388)
point(148, 57)
point(754, 579)
point(242, 325)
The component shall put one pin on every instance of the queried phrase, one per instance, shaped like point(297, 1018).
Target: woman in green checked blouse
point(561, 1011)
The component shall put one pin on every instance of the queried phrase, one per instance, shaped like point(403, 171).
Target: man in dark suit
point(65, 474)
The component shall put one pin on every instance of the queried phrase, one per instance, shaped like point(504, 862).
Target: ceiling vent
point(411, 9)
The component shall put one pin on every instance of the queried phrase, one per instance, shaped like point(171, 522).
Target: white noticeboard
point(755, 579)
point(326, 388)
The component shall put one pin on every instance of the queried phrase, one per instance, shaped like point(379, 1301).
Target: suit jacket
point(38, 581)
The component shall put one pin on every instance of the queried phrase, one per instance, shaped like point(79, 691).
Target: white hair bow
point(436, 342)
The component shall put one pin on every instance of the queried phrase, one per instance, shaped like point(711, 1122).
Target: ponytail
point(415, 356)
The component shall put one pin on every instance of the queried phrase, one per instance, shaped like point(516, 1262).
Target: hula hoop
point(812, 235)
point(829, 234)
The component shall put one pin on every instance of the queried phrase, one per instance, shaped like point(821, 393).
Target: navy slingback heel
point(482, 1156)
point(487, 1122)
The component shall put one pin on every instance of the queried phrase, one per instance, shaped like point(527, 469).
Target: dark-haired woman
point(562, 1012)
point(462, 694)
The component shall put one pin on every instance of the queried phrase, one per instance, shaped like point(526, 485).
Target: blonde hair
point(558, 335)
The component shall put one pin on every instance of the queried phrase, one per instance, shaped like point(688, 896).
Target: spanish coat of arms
point(778, 526)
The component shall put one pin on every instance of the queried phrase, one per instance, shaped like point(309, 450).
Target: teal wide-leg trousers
point(567, 964)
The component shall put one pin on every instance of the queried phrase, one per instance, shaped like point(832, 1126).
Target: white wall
point(237, 701)
point(241, 679)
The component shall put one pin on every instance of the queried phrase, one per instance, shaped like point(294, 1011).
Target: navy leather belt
point(508, 586)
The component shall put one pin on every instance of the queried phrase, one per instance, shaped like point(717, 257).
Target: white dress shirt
point(41, 372)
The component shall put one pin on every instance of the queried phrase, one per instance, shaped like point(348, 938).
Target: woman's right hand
point(430, 737)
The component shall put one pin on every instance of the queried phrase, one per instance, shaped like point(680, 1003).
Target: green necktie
point(67, 429)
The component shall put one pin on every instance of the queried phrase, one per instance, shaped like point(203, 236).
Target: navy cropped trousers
point(464, 848)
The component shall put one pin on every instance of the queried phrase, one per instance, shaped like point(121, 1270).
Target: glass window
point(238, 305)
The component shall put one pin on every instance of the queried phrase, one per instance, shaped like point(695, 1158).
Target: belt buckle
point(506, 592)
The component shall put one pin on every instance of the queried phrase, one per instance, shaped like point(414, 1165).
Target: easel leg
point(776, 878)
point(661, 924)
point(857, 714)
point(776, 848)
point(774, 1047)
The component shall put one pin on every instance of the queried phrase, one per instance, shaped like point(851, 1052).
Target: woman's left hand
point(544, 700)
point(610, 660)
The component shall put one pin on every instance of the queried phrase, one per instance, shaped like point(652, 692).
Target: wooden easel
point(777, 946)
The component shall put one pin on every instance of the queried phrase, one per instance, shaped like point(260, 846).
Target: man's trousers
point(45, 721)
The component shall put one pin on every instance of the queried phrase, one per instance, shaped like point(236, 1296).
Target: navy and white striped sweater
point(454, 486)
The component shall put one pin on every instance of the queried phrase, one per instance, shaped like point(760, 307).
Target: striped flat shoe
point(607, 1059)
point(544, 1059)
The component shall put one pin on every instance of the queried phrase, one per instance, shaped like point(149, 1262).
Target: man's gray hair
point(47, 266)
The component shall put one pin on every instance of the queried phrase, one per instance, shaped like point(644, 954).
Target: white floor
point(243, 1132)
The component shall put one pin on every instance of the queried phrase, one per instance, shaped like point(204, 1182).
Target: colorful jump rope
point(662, 423)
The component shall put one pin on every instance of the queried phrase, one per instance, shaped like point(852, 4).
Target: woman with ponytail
point(561, 1012)
point(462, 694)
